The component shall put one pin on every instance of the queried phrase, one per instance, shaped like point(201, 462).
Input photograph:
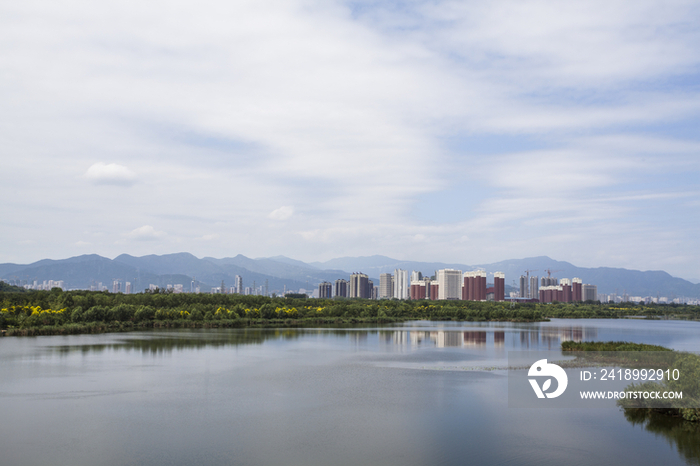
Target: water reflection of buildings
point(445, 339)
point(552, 337)
point(533, 338)
point(474, 338)
point(359, 337)
point(499, 338)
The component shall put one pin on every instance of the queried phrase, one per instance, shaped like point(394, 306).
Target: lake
point(406, 394)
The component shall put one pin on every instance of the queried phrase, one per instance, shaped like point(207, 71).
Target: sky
point(464, 132)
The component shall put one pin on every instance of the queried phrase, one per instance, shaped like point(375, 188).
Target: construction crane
point(550, 272)
point(527, 273)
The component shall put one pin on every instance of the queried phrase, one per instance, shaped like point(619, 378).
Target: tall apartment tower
point(341, 288)
point(481, 285)
point(566, 292)
point(534, 288)
point(416, 275)
point(474, 288)
point(427, 282)
point(450, 284)
point(325, 289)
point(590, 292)
point(359, 286)
point(434, 290)
point(499, 286)
point(467, 286)
point(576, 290)
point(401, 284)
point(523, 287)
point(418, 289)
point(386, 286)
point(239, 284)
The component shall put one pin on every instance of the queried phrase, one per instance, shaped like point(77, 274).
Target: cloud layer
point(456, 131)
point(110, 173)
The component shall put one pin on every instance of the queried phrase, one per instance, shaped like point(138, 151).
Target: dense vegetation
point(6, 287)
point(609, 346)
point(56, 311)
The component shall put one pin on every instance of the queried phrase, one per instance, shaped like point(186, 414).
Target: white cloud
point(230, 109)
point(110, 173)
point(283, 213)
point(145, 233)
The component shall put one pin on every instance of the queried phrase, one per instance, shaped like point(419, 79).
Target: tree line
point(55, 308)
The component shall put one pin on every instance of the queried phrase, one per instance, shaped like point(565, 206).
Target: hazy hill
point(377, 265)
point(280, 271)
point(180, 268)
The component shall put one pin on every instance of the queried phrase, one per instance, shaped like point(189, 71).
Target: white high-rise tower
point(401, 284)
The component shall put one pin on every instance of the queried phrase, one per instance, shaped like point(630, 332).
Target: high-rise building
point(325, 289)
point(566, 294)
point(543, 293)
point(474, 286)
point(523, 287)
point(401, 284)
point(549, 281)
point(499, 286)
point(341, 288)
point(467, 286)
point(434, 290)
point(128, 288)
point(450, 282)
point(481, 285)
point(418, 289)
point(590, 292)
point(576, 290)
point(534, 288)
point(239, 284)
point(427, 281)
point(386, 289)
point(415, 276)
point(359, 286)
point(116, 288)
point(567, 291)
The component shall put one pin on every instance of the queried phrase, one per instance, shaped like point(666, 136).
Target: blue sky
point(450, 131)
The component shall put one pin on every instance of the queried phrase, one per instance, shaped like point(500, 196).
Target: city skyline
point(285, 274)
point(459, 132)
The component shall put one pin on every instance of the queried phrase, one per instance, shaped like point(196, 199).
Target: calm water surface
point(411, 394)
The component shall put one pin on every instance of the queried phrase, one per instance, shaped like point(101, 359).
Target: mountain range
point(81, 272)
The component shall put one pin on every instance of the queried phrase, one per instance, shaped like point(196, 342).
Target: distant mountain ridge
point(280, 272)
point(180, 268)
